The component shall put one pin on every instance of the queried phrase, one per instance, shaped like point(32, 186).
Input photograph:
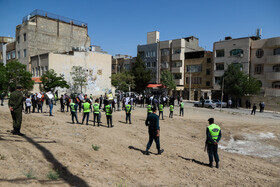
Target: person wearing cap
point(152, 122)
point(15, 106)
point(213, 134)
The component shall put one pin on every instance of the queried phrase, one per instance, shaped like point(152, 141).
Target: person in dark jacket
point(152, 122)
point(254, 109)
point(213, 134)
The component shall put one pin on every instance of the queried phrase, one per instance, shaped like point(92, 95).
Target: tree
point(123, 81)
point(79, 76)
point(50, 80)
point(16, 74)
point(167, 79)
point(238, 84)
point(3, 79)
point(142, 76)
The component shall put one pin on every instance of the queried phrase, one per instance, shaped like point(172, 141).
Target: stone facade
point(121, 63)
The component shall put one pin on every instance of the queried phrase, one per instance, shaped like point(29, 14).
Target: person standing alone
point(181, 108)
point(128, 113)
point(214, 134)
point(15, 106)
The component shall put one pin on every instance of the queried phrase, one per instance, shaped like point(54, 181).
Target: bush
point(95, 147)
point(53, 175)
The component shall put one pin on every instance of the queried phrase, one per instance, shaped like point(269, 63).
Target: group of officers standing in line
point(213, 131)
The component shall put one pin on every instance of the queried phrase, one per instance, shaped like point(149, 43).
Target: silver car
point(207, 104)
point(218, 103)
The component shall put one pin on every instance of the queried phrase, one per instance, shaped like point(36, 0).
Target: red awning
point(37, 79)
point(156, 86)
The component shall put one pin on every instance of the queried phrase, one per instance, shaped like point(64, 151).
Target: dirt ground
point(54, 144)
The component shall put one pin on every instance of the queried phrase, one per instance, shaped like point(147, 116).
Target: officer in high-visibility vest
point(96, 111)
point(160, 108)
point(171, 109)
point(74, 107)
point(181, 108)
point(214, 134)
point(86, 110)
point(128, 113)
point(149, 110)
point(108, 110)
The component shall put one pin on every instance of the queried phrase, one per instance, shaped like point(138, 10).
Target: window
point(18, 54)
point(154, 64)
point(148, 64)
point(236, 52)
point(220, 66)
point(164, 64)
point(42, 70)
point(194, 68)
point(24, 37)
point(39, 74)
point(218, 80)
point(46, 68)
point(153, 75)
point(208, 60)
point(13, 54)
point(18, 39)
point(276, 51)
point(24, 53)
point(220, 53)
point(258, 68)
point(207, 83)
point(165, 52)
point(177, 51)
point(33, 72)
point(276, 84)
point(208, 71)
point(176, 64)
point(276, 68)
point(36, 71)
point(259, 53)
point(177, 76)
point(195, 80)
point(113, 67)
point(8, 56)
point(150, 54)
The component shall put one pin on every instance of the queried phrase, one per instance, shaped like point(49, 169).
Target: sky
point(118, 26)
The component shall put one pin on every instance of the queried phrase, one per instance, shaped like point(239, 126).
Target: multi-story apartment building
point(43, 32)
point(265, 64)
point(11, 51)
point(198, 72)
point(4, 42)
point(231, 51)
point(121, 63)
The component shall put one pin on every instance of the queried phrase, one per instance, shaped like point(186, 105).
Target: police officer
point(171, 109)
point(74, 108)
point(181, 108)
point(108, 110)
point(213, 133)
point(128, 113)
point(149, 109)
point(86, 110)
point(153, 122)
point(96, 111)
point(160, 108)
point(15, 105)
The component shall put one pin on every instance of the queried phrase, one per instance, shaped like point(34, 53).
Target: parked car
point(218, 103)
point(207, 104)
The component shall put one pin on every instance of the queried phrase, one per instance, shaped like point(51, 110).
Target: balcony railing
point(273, 76)
point(273, 59)
point(272, 92)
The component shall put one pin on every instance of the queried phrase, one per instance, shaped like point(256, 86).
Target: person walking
point(128, 113)
point(74, 108)
point(254, 109)
point(213, 134)
point(152, 122)
point(96, 111)
point(160, 108)
point(86, 111)
point(109, 111)
point(15, 106)
point(171, 109)
point(182, 108)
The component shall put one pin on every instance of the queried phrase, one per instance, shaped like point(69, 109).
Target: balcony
point(179, 82)
point(177, 70)
point(272, 92)
point(178, 56)
point(273, 42)
point(273, 59)
point(272, 76)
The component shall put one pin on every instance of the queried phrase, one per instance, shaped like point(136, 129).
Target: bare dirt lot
point(249, 151)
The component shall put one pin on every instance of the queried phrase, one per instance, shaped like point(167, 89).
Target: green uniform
point(171, 108)
point(214, 131)
point(108, 110)
point(149, 109)
point(86, 107)
point(72, 105)
point(160, 107)
point(96, 108)
point(15, 101)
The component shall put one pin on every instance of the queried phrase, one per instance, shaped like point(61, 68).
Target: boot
point(160, 151)
point(217, 164)
point(146, 152)
point(211, 164)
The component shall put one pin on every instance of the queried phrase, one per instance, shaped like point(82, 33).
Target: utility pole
point(222, 94)
point(190, 86)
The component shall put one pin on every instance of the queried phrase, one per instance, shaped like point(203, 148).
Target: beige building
point(198, 74)
point(121, 63)
point(98, 66)
point(265, 64)
point(42, 32)
point(4, 42)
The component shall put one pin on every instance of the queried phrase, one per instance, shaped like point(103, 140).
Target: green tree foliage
point(16, 74)
point(79, 76)
point(51, 80)
point(238, 84)
point(3, 79)
point(142, 76)
point(122, 81)
point(167, 79)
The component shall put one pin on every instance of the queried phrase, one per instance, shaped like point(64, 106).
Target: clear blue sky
point(118, 26)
